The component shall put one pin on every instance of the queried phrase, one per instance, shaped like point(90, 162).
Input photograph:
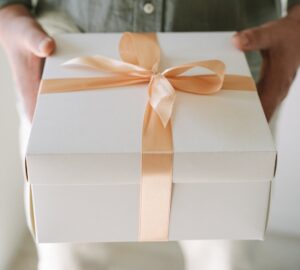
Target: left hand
point(279, 44)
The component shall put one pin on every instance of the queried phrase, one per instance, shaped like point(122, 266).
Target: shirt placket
point(148, 15)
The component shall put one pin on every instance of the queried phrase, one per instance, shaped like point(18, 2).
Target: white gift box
point(84, 154)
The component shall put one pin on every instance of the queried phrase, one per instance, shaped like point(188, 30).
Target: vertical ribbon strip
point(140, 54)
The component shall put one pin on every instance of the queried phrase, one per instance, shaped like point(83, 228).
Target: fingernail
point(243, 39)
point(43, 44)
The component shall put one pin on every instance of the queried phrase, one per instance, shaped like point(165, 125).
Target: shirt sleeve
point(27, 3)
point(292, 2)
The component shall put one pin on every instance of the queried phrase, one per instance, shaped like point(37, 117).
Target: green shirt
point(164, 15)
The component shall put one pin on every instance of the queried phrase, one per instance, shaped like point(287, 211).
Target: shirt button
point(148, 8)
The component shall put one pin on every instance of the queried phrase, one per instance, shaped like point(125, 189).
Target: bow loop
point(105, 64)
point(140, 49)
point(197, 84)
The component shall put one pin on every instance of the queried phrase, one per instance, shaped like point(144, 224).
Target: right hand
point(26, 45)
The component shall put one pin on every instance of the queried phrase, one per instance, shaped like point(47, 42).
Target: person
point(272, 44)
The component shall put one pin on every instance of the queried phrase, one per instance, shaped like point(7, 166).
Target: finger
point(37, 41)
point(257, 38)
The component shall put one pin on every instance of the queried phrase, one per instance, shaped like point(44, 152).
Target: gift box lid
point(94, 137)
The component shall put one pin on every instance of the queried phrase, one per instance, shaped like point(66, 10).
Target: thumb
point(37, 41)
point(257, 38)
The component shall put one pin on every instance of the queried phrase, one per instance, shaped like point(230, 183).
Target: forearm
point(26, 44)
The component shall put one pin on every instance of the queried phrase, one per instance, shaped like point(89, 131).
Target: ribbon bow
point(140, 56)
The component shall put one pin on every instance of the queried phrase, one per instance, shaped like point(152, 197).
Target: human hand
point(279, 44)
point(26, 45)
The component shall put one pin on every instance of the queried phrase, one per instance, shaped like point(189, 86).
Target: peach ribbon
point(140, 54)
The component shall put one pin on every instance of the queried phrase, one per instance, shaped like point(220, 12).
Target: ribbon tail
point(156, 180)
